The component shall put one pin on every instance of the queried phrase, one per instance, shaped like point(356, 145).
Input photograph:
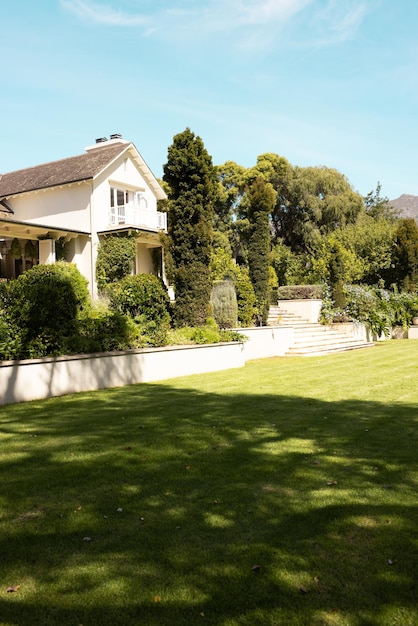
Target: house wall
point(125, 175)
point(144, 264)
point(62, 207)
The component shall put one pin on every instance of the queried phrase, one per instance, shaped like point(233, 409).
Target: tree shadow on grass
point(158, 505)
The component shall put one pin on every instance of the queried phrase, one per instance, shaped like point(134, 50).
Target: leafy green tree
point(261, 202)
point(372, 241)
point(291, 268)
point(278, 171)
point(405, 256)
point(191, 177)
point(316, 201)
point(378, 206)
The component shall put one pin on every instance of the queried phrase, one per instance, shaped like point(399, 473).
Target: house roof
point(74, 169)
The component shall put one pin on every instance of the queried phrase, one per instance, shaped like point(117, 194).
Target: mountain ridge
point(407, 206)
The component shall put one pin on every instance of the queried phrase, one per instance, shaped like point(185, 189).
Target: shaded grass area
point(283, 493)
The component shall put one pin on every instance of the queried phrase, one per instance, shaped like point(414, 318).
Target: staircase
point(313, 339)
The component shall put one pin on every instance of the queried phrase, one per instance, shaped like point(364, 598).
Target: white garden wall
point(36, 379)
point(309, 310)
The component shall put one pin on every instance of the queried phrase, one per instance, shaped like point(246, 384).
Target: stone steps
point(313, 339)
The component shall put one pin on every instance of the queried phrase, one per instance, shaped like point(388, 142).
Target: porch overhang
point(150, 237)
point(27, 230)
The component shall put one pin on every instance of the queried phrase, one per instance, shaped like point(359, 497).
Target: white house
point(107, 190)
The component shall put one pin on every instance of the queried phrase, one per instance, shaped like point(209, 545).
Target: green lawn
point(283, 493)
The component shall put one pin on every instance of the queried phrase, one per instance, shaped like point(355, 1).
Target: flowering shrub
point(379, 309)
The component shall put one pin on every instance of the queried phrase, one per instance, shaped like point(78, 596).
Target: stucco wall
point(309, 310)
point(22, 381)
point(62, 207)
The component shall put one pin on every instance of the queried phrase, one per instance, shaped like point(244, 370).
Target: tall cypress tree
point(191, 177)
point(262, 198)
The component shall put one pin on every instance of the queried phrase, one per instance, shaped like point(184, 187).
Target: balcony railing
point(151, 220)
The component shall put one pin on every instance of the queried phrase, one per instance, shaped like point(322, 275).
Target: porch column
point(47, 251)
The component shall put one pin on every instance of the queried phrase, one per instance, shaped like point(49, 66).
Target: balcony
point(141, 218)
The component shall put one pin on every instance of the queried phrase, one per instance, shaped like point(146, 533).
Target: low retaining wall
point(309, 310)
point(266, 341)
point(356, 330)
point(37, 379)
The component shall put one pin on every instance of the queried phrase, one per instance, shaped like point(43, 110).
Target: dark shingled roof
point(71, 170)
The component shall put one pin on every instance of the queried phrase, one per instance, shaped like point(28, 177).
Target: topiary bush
point(43, 305)
point(224, 304)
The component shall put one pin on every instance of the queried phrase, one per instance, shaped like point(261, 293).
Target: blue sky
point(320, 82)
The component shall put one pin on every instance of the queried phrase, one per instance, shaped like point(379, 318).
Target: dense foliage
point(378, 308)
point(261, 202)
point(190, 176)
point(144, 298)
point(115, 259)
point(47, 311)
point(405, 257)
point(42, 306)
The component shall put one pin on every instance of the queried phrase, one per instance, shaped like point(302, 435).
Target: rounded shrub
point(142, 295)
point(101, 329)
point(43, 304)
point(145, 299)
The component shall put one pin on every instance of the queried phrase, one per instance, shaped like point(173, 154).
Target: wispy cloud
point(103, 14)
point(212, 15)
point(337, 21)
point(233, 14)
point(249, 24)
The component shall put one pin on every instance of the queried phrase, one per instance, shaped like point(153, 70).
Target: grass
point(284, 493)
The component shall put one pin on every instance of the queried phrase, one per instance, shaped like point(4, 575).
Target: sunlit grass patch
point(280, 494)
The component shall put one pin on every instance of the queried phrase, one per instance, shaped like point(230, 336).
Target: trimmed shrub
point(142, 295)
point(101, 329)
point(43, 305)
point(261, 204)
point(300, 292)
point(145, 299)
point(224, 304)
point(246, 300)
point(192, 289)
